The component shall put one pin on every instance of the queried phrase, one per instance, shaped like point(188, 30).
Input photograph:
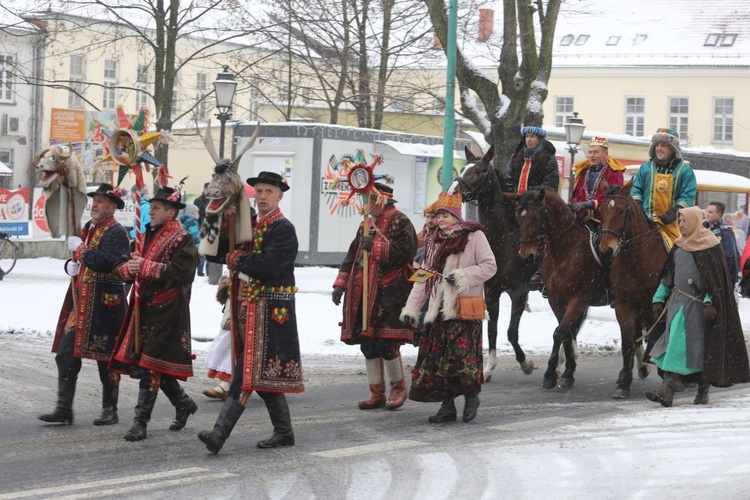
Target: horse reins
point(622, 239)
point(543, 238)
point(469, 191)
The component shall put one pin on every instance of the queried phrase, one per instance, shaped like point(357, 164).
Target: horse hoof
point(643, 371)
point(621, 393)
point(528, 367)
point(549, 383)
point(565, 383)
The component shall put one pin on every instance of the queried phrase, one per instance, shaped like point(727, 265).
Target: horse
point(637, 253)
point(573, 274)
point(479, 183)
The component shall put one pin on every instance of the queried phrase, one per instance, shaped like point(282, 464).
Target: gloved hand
point(366, 243)
point(709, 313)
point(336, 295)
point(656, 309)
point(580, 205)
point(74, 242)
point(72, 267)
point(669, 216)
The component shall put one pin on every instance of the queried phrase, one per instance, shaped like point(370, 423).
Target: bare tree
point(523, 71)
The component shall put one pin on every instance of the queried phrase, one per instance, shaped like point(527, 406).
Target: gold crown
point(599, 141)
point(450, 201)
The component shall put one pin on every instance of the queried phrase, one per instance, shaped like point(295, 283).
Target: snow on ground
point(31, 296)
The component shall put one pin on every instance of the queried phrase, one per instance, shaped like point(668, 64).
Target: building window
point(723, 120)
point(678, 117)
point(567, 40)
point(75, 95)
point(639, 39)
point(582, 39)
point(6, 79)
point(729, 39)
point(141, 85)
point(201, 85)
point(711, 40)
point(635, 115)
point(563, 110)
point(6, 156)
point(109, 100)
point(613, 40)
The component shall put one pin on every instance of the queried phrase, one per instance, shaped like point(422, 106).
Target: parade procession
point(321, 298)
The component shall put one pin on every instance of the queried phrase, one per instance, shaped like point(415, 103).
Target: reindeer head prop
point(63, 208)
point(226, 188)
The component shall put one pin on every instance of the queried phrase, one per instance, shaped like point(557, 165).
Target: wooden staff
point(139, 251)
point(232, 326)
point(72, 231)
point(365, 271)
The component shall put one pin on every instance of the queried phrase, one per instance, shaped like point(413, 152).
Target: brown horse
point(637, 254)
point(479, 183)
point(572, 273)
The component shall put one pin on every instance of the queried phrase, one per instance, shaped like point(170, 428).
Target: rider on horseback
point(533, 164)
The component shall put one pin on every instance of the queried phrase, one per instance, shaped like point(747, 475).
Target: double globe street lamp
point(573, 135)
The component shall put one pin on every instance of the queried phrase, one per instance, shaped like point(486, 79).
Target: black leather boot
point(228, 416)
point(143, 409)
point(703, 387)
point(446, 413)
point(470, 408)
point(665, 394)
point(283, 435)
point(109, 416)
point(63, 414)
point(183, 404)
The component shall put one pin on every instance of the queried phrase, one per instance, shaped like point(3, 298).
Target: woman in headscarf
point(450, 352)
point(702, 338)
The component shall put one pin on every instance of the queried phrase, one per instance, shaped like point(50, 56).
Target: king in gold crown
point(599, 141)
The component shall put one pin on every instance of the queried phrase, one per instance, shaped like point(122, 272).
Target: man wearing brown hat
point(88, 326)
point(154, 342)
point(264, 318)
point(391, 242)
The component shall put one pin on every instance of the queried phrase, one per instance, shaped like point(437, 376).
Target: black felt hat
point(110, 192)
point(169, 196)
point(269, 178)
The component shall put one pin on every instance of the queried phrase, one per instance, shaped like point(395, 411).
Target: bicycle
point(8, 255)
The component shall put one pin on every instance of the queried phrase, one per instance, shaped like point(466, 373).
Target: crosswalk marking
point(105, 482)
point(531, 424)
point(368, 448)
point(150, 486)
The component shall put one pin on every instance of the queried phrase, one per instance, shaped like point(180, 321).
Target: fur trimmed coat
point(476, 264)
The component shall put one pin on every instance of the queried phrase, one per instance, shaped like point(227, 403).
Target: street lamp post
point(224, 87)
point(573, 135)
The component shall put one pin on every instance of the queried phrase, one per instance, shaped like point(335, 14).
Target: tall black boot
point(471, 405)
point(183, 404)
point(63, 414)
point(143, 409)
point(703, 387)
point(228, 416)
point(665, 394)
point(109, 416)
point(446, 413)
point(283, 435)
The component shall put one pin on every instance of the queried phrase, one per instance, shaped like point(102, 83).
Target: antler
point(57, 151)
point(208, 141)
point(250, 144)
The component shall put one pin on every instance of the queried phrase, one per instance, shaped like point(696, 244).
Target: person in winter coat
point(533, 164)
point(702, 337)
point(714, 222)
point(449, 363)
point(189, 222)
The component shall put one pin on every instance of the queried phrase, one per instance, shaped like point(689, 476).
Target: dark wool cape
point(393, 250)
point(166, 280)
point(725, 354)
point(543, 171)
point(101, 294)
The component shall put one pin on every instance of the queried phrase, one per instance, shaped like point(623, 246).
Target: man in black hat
point(87, 327)
point(165, 273)
point(392, 244)
point(264, 319)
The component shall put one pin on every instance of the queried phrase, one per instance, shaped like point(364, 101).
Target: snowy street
point(525, 443)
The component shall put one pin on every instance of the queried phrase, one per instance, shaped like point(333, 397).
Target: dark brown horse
point(479, 183)
point(572, 273)
point(637, 254)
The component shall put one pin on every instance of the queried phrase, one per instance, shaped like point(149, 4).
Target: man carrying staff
point(157, 348)
point(392, 244)
point(264, 319)
point(89, 328)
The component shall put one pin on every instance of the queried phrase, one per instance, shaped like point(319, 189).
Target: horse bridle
point(469, 191)
point(543, 238)
point(622, 238)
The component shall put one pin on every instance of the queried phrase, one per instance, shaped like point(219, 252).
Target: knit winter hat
point(665, 136)
point(534, 130)
point(450, 203)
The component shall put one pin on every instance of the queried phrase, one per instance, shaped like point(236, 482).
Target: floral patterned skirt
point(449, 362)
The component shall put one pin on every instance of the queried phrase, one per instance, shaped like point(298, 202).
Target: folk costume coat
point(530, 168)
point(101, 294)
point(166, 280)
point(393, 250)
point(264, 307)
point(611, 172)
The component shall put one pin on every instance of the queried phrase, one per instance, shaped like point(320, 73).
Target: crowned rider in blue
point(665, 184)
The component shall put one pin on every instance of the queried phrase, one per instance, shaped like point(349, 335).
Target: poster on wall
point(14, 211)
point(435, 178)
